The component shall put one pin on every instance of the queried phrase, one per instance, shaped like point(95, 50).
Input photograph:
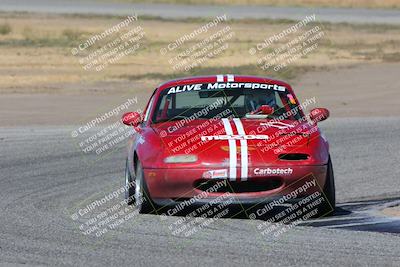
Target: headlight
point(181, 159)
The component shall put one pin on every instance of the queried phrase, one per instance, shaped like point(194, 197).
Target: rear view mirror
point(319, 114)
point(131, 119)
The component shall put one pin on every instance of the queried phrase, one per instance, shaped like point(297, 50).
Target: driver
point(257, 99)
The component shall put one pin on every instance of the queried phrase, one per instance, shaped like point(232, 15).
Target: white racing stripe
point(243, 150)
point(231, 78)
point(232, 150)
point(220, 78)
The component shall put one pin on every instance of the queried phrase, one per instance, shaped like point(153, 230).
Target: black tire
point(146, 205)
point(137, 194)
point(329, 192)
point(129, 186)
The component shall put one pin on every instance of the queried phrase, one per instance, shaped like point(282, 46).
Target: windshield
point(196, 100)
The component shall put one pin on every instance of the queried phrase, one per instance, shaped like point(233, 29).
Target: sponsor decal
point(273, 171)
point(224, 85)
point(216, 174)
point(291, 99)
point(234, 137)
point(245, 86)
point(185, 88)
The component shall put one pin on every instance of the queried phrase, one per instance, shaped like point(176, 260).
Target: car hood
point(214, 140)
point(170, 131)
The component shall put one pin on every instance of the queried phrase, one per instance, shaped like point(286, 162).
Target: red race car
point(202, 137)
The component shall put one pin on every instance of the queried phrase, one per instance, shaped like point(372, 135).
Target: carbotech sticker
point(273, 171)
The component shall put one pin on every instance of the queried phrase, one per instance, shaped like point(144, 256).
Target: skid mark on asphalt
point(361, 216)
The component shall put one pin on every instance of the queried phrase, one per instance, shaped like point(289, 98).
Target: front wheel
point(136, 192)
point(329, 192)
point(129, 186)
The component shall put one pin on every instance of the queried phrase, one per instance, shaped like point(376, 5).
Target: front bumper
point(174, 185)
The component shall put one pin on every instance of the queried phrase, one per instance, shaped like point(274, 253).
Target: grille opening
point(293, 156)
point(240, 186)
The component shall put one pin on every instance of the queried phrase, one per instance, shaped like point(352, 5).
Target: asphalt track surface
point(44, 178)
point(349, 15)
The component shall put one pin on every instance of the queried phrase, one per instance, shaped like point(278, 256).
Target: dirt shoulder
point(352, 69)
point(303, 3)
point(37, 58)
point(358, 91)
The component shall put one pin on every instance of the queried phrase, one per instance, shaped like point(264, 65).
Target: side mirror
point(319, 114)
point(131, 119)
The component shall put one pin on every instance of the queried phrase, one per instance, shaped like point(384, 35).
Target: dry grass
point(36, 55)
point(5, 28)
point(302, 3)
